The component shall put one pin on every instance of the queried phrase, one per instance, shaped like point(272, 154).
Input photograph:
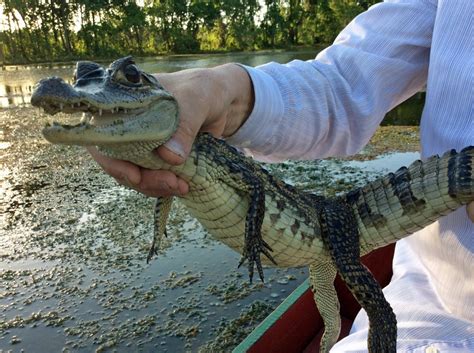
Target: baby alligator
point(127, 114)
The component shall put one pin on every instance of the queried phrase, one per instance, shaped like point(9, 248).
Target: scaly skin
point(128, 114)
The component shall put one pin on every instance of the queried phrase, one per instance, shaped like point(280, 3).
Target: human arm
point(332, 105)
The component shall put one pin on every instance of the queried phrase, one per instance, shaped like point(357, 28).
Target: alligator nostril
point(52, 89)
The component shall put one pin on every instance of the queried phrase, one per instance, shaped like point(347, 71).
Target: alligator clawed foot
point(251, 254)
point(153, 251)
point(155, 246)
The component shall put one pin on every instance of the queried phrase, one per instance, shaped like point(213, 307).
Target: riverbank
point(201, 53)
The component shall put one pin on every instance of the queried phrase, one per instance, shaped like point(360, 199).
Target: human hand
point(216, 100)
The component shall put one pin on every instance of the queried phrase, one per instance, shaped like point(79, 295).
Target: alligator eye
point(132, 74)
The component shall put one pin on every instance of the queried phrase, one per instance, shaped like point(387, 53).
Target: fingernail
point(175, 147)
point(183, 187)
point(124, 180)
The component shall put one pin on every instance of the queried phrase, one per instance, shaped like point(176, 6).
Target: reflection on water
point(13, 95)
point(17, 82)
point(386, 162)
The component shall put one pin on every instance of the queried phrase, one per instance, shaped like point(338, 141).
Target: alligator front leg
point(321, 277)
point(340, 235)
point(162, 211)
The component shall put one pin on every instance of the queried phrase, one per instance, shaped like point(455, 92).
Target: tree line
point(47, 30)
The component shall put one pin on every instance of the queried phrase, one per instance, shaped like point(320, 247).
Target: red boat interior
point(299, 329)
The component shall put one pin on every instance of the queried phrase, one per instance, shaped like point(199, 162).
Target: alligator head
point(120, 104)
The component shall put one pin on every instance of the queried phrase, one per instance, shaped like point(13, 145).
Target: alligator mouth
point(106, 119)
point(53, 106)
point(93, 115)
point(55, 95)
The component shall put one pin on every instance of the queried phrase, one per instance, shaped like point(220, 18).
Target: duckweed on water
point(51, 318)
point(230, 333)
point(232, 291)
point(74, 245)
point(183, 280)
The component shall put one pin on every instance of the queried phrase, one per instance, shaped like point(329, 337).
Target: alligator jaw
point(157, 123)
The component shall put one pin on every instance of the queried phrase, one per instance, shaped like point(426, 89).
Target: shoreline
point(103, 59)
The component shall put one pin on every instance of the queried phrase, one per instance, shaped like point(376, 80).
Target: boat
point(296, 326)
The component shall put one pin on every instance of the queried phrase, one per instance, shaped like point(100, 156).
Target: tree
point(36, 30)
point(239, 21)
point(272, 26)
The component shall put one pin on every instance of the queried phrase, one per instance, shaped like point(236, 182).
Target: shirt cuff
point(261, 126)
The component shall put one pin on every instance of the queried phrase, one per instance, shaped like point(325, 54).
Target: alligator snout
point(52, 94)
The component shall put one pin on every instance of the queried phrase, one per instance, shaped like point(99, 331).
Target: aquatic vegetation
point(72, 264)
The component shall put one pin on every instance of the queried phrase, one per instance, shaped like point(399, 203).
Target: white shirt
point(332, 105)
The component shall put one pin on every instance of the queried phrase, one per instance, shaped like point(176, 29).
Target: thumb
point(177, 149)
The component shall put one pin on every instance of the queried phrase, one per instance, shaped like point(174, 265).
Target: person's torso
point(446, 248)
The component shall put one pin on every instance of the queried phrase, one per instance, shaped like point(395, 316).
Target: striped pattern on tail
point(401, 203)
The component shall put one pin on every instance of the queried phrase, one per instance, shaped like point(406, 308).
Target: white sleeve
point(333, 104)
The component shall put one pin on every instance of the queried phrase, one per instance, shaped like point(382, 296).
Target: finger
point(176, 150)
point(125, 172)
point(172, 152)
point(160, 183)
point(470, 211)
point(193, 112)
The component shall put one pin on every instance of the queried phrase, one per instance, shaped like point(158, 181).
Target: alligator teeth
point(61, 106)
point(86, 117)
point(100, 112)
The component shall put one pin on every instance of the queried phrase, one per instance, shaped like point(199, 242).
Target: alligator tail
point(401, 203)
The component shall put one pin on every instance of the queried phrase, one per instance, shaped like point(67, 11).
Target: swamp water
point(73, 244)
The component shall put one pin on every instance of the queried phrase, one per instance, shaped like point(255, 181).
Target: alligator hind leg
point(254, 243)
point(341, 236)
point(243, 175)
point(321, 277)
